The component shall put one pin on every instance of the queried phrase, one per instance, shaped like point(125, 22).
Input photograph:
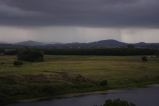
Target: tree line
point(104, 51)
point(107, 52)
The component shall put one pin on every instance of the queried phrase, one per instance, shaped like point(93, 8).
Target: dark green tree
point(30, 55)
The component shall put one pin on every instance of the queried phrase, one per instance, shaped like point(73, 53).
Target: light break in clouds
point(77, 34)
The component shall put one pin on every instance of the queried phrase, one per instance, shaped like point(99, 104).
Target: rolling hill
point(98, 44)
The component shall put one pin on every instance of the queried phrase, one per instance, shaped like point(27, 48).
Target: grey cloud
point(98, 13)
point(9, 11)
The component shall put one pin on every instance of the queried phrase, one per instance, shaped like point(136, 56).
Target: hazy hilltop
point(30, 43)
point(97, 44)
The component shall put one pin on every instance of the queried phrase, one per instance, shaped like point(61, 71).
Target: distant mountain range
point(98, 44)
point(30, 43)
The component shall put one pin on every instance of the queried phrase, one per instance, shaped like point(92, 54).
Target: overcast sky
point(79, 20)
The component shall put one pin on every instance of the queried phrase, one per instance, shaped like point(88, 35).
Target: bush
point(2, 63)
point(79, 78)
point(30, 55)
point(4, 99)
point(104, 83)
point(117, 102)
point(144, 59)
point(18, 63)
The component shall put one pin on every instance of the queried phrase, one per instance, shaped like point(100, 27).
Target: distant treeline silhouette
point(107, 52)
point(104, 51)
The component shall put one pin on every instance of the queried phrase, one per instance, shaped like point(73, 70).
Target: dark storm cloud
point(104, 13)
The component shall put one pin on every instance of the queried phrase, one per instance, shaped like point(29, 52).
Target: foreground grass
point(60, 75)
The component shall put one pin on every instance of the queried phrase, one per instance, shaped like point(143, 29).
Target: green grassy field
point(60, 75)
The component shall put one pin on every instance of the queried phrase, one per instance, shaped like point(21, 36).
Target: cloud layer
point(92, 13)
point(79, 20)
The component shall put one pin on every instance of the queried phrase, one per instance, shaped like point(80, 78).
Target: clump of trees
point(117, 102)
point(30, 55)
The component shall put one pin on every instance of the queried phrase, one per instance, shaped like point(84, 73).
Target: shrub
point(80, 78)
point(2, 63)
point(103, 83)
point(117, 102)
point(30, 55)
point(144, 59)
point(4, 99)
point(18, 63)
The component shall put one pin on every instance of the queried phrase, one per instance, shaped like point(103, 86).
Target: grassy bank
point(71, 74)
